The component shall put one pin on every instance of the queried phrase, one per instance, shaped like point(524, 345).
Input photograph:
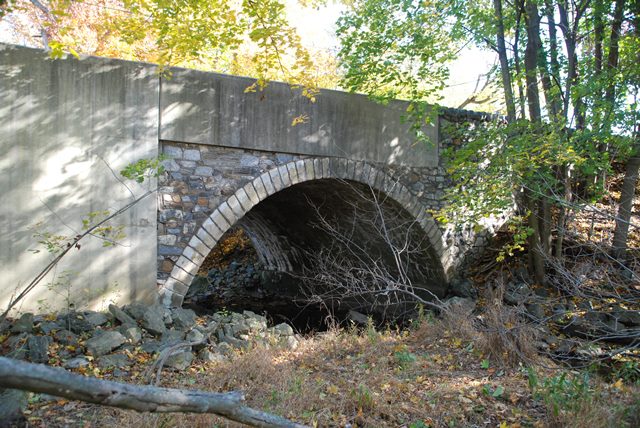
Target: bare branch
point(56, 381)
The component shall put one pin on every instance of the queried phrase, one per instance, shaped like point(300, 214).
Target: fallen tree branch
point(143, 398)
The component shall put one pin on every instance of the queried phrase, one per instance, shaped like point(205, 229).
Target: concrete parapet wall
point(64, 124)
point(214, 109)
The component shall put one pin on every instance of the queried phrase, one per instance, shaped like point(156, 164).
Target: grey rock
point(256, 325)
point(166, 215)
point(283, 329)
point(225, 349)
point(627, 317)
point(536, 311)
point(183, 318)
point(463, 288)
point(467, 305)
point(114, 360)
point(152, 320)
point(151, 346)
point(17, 345)
point(249, 161)
point(167, 318)
point(169, 250)
point(131, 333)
point(47, 327)
point(358, 318)
point(12, 403)
point(289, 342)
point(565, 347)
point(24, 324)
point(237, 343)
point(39, 348)
point(240, 328)
point(195, 336)
point(136, 310)
point(172, 336)
point(589, 351)
point(66, 337)
point(172, 151)
point(170, 165)
point(96, 319)
point(76, 362)
point(209, 356)
point(76, 322)
point(517, 293)
point(613, 326)
point(283, 158)
point(121, 315)
point(180, 361)
point(105, 343)
point(253, 315)
point(204, 171)
point(192, 155)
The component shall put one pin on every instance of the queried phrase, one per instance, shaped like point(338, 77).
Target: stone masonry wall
point(200, 177)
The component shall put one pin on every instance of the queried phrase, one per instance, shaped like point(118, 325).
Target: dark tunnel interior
point(312, 249)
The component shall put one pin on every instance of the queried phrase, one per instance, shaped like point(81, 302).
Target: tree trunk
point(536, 254)
point(627, 193)
point(504, 61)
point(56, 381)
point(516, 57)
point(531, 61)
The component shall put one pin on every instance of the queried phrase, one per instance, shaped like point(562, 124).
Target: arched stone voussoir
point(236, 206)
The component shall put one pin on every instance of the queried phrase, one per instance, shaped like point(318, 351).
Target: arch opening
point(315, 246)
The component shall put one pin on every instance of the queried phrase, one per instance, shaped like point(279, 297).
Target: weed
point(561, 392)
point(629, 372)
point(363, 398)
point(404, 358)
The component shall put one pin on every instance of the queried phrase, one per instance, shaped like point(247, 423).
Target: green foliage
point(398, 48)
point(562, 392)
point(144, 169)
point(404, 358)
point(52, 243)
point(498, 392)
point(363, 398)
point(628, 371)
point(110, 234)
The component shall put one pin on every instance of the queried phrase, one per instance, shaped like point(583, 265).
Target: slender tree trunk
point(536, 253)
point(562, 210)
point(536, 246)
point(531, 61)
point(516, 59)
point(627, 192)
point(504, 61)
point(625, 207)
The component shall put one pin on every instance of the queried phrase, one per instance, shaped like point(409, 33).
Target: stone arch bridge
point(232, 158)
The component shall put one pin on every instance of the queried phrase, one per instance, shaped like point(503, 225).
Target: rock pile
point(108, 340)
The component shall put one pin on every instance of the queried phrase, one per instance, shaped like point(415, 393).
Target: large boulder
point(24, 324)
point(121, 316)
point(39, 348)
point(104, 343)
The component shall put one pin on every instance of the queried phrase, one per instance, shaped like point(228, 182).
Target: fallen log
point(143, 398)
